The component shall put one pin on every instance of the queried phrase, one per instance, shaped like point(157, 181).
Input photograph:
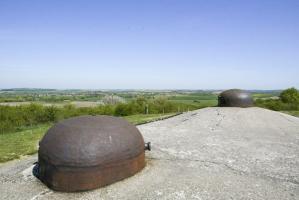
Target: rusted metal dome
point(235, 98)
point(88, 152)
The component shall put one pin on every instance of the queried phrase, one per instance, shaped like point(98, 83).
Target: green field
point(14, 145)
point(17, 144)
point(199, 100)
point(198, 103)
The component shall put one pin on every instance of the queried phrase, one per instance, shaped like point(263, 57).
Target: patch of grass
point(25, 142)
point(17, 144)
point(292, 112)
point(195, 96)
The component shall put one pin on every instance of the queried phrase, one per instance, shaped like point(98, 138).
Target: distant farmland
point(86, 98)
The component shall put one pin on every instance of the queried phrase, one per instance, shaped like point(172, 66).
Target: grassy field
point(17, 144)
point(77, 104)
point(199, 100)
point(14, 145)
point(198, 103)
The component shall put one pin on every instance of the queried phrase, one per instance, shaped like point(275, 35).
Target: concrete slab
point(211, 153)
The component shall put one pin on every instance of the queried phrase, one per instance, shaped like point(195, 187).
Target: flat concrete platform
point(211, 153)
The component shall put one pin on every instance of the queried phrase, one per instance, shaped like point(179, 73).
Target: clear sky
point(149, 44)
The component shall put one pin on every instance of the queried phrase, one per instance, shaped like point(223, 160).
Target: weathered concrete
point(212, 153)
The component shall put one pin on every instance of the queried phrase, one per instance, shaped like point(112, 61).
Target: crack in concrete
point(219, 118)
point(240, 172)
point(42, 194)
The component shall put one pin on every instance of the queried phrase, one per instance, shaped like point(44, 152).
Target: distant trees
point(13, 118)
point(288, 100)
point(49, 97)
point(160, 104)
point(290, 95)
point(112, 99)
point(131, 108)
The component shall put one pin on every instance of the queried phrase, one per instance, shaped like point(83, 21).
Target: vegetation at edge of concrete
point(142, 118)
point(292, 112)
point(14, 118)
point(288, 101)
point(14, 145)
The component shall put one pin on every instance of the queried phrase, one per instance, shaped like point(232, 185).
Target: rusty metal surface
point(235, 98)
point(74, 179)
point(87, 152)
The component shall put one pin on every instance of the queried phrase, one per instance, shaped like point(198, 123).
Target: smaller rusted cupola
point(88, 152)
point(235, 98)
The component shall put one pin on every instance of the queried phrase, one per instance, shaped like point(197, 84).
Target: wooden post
point(146, 109)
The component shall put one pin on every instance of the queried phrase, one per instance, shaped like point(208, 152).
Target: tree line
point(288, 101)
point(13, 118)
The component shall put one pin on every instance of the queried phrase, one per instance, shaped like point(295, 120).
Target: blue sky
point(165, 44)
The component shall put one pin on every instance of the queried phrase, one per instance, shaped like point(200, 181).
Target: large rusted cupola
point(88, 152)
point(235, 98)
